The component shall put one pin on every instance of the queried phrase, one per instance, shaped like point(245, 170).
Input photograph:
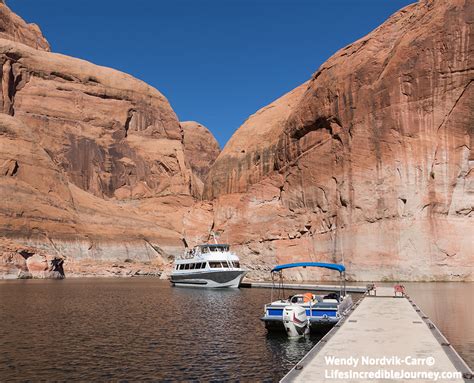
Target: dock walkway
point(383, 339)
point(296, 286)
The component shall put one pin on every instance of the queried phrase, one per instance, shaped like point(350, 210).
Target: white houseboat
point(208, 265)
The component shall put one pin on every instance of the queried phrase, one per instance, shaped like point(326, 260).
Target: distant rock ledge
point(18, 261)
point(26, 262)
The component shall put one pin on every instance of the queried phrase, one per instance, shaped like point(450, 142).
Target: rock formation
point(113, 135)
point(251, 152)
point(200, 149)
point(25, 262)
point(14, 28)
point(92, 160)
point(371, 160)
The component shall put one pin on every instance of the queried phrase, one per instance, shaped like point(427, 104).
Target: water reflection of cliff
point(450, 306)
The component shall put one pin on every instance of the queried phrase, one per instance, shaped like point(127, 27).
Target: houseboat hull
point(219, 279)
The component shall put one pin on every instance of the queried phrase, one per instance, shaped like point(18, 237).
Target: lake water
point(142, 328)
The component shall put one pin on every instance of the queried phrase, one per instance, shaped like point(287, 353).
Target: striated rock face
point(251, 152)
point(200, 147)
point(41, 209)
point(113, 135)
point(13, 27)
point(92, 162)
point(372, 163)
point(201, 150)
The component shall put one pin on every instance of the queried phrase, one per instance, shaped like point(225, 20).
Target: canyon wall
point(93, 164)
point(369, 163)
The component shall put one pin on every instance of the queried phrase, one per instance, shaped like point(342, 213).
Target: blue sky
point(217, 61)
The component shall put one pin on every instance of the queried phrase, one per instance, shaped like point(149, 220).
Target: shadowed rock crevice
point(130, 115)
point(8, 88)
point(201, 151)
point(56, 269)
point(9, 168)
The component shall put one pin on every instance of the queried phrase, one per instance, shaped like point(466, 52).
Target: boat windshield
point(217, 264)
point(214, 248)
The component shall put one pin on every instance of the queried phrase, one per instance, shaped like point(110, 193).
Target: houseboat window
point(186, 266)
point(205, 250)
point(191, 266)
point(203, 265)
point(224, 264)
point(236, 264)
point(214, 265)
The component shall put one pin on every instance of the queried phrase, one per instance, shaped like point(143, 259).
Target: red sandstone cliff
point(93, 164)
point(251, 152)
point(13, 27)
point(201, 150)
point(370, 162)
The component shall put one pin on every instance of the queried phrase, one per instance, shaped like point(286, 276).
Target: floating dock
point(294, 286)
point(383, 338)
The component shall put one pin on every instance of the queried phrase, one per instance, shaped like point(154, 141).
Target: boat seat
point(318, 298)
point(326, 305)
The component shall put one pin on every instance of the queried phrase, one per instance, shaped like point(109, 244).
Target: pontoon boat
point(321, 310)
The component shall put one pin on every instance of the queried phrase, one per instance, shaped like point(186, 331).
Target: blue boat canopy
point(331, 266)
point(214, 245)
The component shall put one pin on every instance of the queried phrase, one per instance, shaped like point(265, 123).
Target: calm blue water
point(138, 329)
point(144, 329)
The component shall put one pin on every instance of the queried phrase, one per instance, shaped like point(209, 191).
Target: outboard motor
point(295, 321)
